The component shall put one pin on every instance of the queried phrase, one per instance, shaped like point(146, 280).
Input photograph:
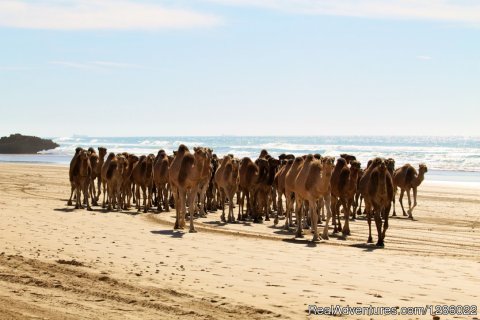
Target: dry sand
point(60, 263)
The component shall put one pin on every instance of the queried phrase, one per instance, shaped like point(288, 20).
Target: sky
point(239, 67)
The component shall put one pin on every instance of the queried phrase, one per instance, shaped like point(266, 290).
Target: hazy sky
point(240, 67)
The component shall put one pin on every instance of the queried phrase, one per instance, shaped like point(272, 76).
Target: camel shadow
point(368, 247)
point(218, 223)
point(306, 242)
point(66, 210)
point(172, 233)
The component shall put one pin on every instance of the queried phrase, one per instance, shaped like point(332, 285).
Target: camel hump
point(111, 169)
point(187, 162)
point(410, 174)
point(313, 175)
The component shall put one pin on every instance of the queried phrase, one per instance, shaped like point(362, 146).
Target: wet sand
point(61, 263)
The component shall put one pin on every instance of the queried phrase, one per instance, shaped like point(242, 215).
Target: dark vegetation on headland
point(20, 144)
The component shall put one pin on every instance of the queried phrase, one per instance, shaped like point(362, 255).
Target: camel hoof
point(370, 240)
point(192, 231)
point(325, 236)
point(410, 217)
point(380, 244)
point(346, 233)
point(222, 218)
point(404, 214)
point(394, 214)
point(315, 239)
point(69, 203)
point(89, 209)
point(298, 235)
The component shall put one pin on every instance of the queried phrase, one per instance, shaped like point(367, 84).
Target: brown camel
point(378, 195)
point(262, 190)
point(160, 177)
point(344, 188)
point(127, 183)
point(103, 175)
point(248, 172)
point(312, 184)
point(227, 179)
point(212, 188)
point(73, 164)
point(407, 178)
point(185, 174)
point(142, 177)
point(290, 197)
point(206, 176)
point(98, 169)
point(81, 178)
point(115, 175)
point(94, 163)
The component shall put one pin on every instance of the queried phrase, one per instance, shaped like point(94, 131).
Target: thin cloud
point(467, 11)
point(424, 58)
point(98, 14)
point(94, 65)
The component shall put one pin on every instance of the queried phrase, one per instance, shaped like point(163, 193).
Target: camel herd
point(314, 187)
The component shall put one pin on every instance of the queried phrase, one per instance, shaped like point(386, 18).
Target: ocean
point(450, 159)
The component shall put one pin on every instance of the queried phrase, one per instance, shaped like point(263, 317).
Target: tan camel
point(290, 197)
point(279, 183)
point(344, 188)
point(406, 178)
point(248, 172)
point(160, 177)
point(378, 197)
point(312, 183)
point(115, 174)
point(81, 178)
point(185, 173)
point(73, 165)
point(227, 180)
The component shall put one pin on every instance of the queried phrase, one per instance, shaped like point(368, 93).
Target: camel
point(115, 175)
point(103, 175)
point(262, 190)
point(227, 179)
point(312, 184)
point(73, 164)
point(127, 183)
point(248, 172)
point(344, 187)
point(212, 188)
point(81, 178)
point(407, 178)
point(279, 182)
point(142, 177)
point(160, 177)
point(206, 176)
point(94, 163)
point(185, 174)
point(377, 190)
point(290, 177)
point(98, 169)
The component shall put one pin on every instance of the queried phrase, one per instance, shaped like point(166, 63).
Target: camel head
point(263, 153)
point(111, 155)
point(83, 155)
point(91, 150)
point(132, 158)
point(382, 167)
point(422, 168)
point(349, 158)
point(328, 163)
point(78, 149)
point(341, 162)
point(121, 159)
point(102, 152)
point(390, 165)
point(181, 149)
point(355, 165)
point(125, 154)
point(317, 156)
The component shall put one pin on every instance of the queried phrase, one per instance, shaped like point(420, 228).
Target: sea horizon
point(449, 159)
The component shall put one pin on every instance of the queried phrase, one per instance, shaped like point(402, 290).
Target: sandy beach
point(61, 263)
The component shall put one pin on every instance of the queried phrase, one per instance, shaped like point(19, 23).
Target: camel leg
point(69, 203)
point(104, 187)
point(85, 193)
point(314, 218)
point(78, 204)
point(385, 225)
point(346, 227)
point(137, 200)
point(147, 198)
point(334, 214)
point(394, 196)
point(267, 207)
point(414, 201)
point(369, 220)
point(279, 210)
point(328, 207)
point(166, 206)
point(231, 216)
point(177, 210)
point(378, 224)
point(298, 215)
point(400, 199)
point(274, 199)
point(191, 208)
point(409, 204)
point(287, 211)
point(222, 217)
point(337, 215)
